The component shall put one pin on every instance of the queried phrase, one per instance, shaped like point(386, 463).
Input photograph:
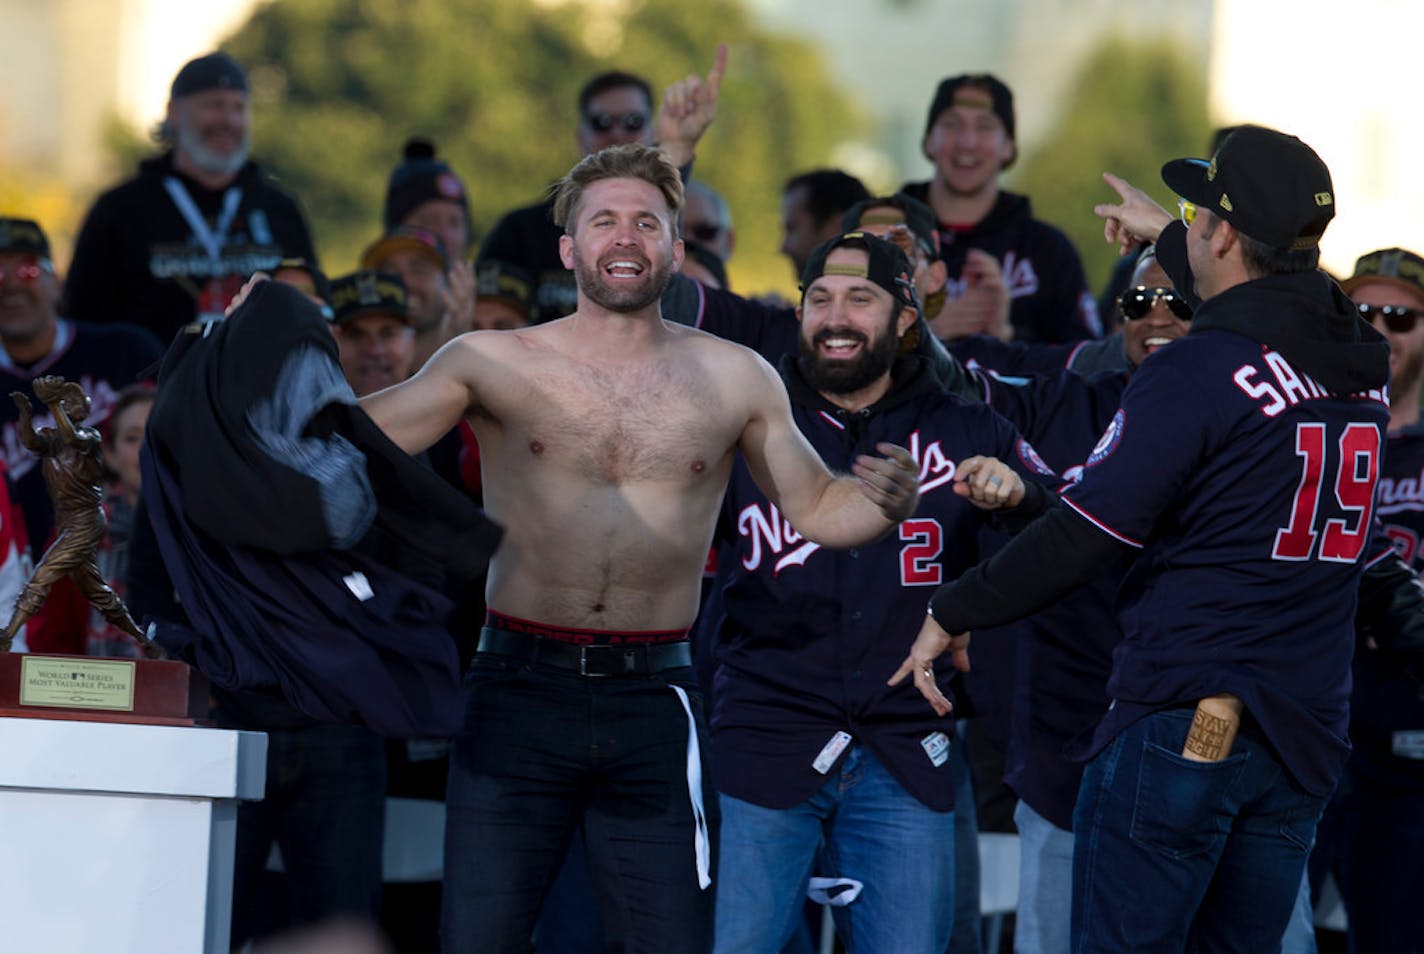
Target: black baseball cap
point(914, 215)
point(214, 71)
point(1268, 185)
point(886, 266)
point(24, 236)
point(368, 293)
point(1001, 98)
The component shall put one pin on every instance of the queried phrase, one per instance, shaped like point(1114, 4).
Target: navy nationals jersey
point(809, 635)
point(1062, 655)
point(1249, 489)
point(1386, 711)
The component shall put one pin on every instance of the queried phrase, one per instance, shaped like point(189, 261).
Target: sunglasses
point(1136, 302)
point(1188, 211)
point(1397, 318)
point(603, 122)
point(25, 270)
point(704, 232)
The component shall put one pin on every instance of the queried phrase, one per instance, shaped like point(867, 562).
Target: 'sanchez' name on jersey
point(1291, 386)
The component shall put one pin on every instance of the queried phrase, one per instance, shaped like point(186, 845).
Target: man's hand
point(983, 309)
point(932, 642)
point(1137, 218)
point(986, 293)
point(459, 297)
point(242, 293)
point(687, 110)
point(988, 483)
point(901, 237)
point(891, 482)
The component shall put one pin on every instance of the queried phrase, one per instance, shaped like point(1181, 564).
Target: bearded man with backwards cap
point(811, 749)
point(175, 243)
point(1247, 508)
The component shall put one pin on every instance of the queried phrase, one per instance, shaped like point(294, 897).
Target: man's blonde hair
point(627, 161)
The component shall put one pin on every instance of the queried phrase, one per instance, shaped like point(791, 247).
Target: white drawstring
point(702, 843)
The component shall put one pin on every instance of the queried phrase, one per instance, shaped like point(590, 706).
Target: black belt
point(595, 660)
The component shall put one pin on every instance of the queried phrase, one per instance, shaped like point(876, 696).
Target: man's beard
point(621, 298)
point(208, 160)
point(1411, 364)
point(846, 377)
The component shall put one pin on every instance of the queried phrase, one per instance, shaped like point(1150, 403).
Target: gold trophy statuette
point(72, 462)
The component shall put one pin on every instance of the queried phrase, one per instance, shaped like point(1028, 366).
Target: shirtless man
point(607, 438)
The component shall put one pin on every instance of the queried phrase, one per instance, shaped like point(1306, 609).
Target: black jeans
point(544, 749)
point(325, 805)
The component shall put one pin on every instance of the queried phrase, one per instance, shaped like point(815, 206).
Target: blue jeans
point(1299, 937)
point(325, 807)
point(543, 750)
point(1171, 854)
point(968, 934)
point(874, 832)
point(1044, 914)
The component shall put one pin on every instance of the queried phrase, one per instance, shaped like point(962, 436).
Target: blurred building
point(68, 68)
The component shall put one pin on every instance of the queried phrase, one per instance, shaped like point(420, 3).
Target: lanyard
point(212, 240)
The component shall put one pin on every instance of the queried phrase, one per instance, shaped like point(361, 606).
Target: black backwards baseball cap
point(886, 266)
point(1268, 185)
point(1391, 266)
point(419, 178)
point(368, 293)
point(405, 238)
point(214, 71)
point(24, 236)
point(973, 87)
point(914, 215)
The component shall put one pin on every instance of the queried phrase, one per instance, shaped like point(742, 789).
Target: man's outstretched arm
point(420, 410)
point(835, 511)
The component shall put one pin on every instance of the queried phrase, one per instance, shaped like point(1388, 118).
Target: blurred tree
point(338, 85)
point(40, 194)
point(1135, 105)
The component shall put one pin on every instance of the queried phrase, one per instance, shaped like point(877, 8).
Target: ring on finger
point(994, 480)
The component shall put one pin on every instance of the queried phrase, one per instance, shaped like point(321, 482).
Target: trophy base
point(101, 689)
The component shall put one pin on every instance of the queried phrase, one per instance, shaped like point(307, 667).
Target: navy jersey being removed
point(1386, 711)
point(810, 635)
point(1249, 489)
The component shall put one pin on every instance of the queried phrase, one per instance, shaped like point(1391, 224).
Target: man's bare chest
point(639, 426)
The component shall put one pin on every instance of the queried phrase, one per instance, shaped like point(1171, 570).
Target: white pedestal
point(119, 838)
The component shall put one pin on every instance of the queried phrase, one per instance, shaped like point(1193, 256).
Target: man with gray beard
point(176, 242)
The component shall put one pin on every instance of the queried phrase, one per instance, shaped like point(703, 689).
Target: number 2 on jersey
point(1354, 482)
point(919, 558)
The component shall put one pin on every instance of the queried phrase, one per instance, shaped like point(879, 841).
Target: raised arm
point(418, 411)
point(832, 510)
point(26, 422)
point(687, 110)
